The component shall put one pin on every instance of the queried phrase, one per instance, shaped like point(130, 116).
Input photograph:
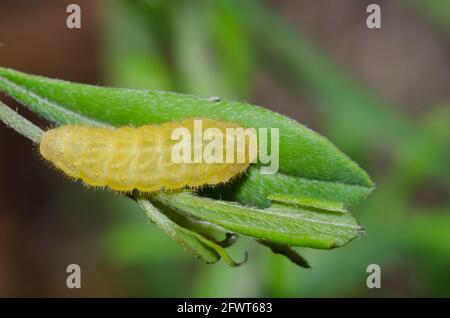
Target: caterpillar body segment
point(140, 158)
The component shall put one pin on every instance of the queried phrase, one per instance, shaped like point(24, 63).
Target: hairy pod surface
point(139, 158)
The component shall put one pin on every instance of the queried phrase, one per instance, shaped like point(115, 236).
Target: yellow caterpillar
point(142, 158)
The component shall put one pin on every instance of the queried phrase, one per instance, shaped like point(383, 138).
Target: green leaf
point(308, 202)
point(279, 224)
point(255, 188)
point(210, 231)
point(311, 167)
point(303, 152)
point(192, 242)
point(46, 108)
point(309, 164)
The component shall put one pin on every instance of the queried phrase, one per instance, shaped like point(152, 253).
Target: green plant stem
point(20, 124)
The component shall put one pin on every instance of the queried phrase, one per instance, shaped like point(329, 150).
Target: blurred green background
point(382, 96)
